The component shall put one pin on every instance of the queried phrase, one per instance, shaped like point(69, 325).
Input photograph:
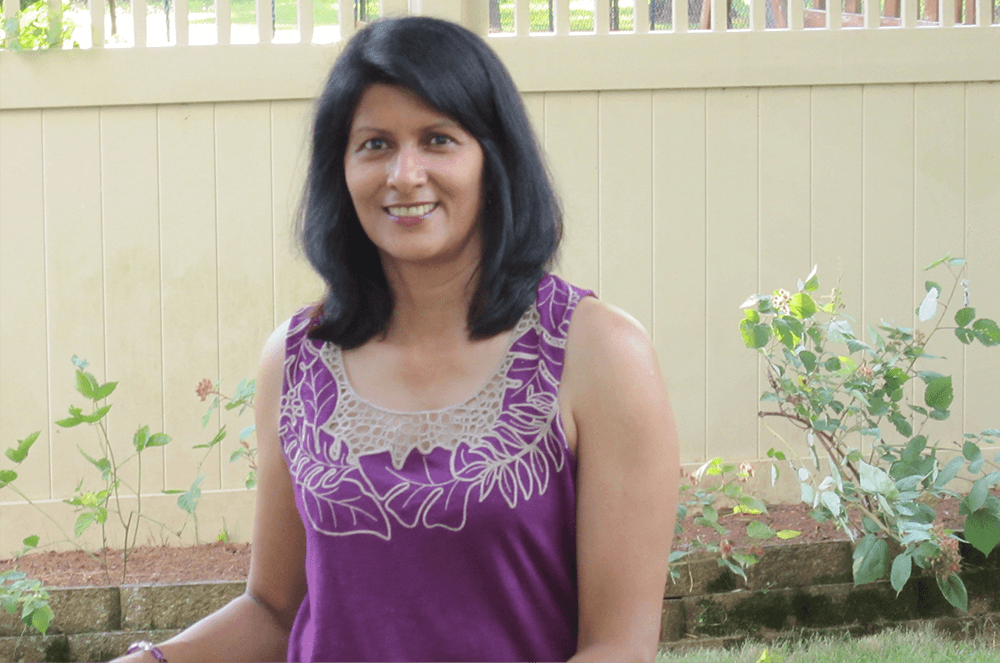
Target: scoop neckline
point(520, 328)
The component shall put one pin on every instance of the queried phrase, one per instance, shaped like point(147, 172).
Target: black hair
point(455, 72)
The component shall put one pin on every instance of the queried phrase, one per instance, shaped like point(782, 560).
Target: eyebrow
point(434, 125)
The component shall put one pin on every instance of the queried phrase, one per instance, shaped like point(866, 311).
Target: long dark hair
point(455, 72)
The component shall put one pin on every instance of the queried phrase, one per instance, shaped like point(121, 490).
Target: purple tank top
point(442, 535)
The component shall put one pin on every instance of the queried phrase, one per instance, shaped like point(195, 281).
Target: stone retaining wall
point(795, 587)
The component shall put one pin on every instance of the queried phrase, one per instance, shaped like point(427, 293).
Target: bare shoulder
point(272, 357)
point(604, 338)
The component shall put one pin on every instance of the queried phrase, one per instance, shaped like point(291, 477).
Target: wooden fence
point(146, 198)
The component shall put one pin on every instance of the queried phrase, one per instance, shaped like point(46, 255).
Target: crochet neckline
point(334, 359)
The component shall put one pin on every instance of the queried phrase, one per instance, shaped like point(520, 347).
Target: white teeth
point(418, 210)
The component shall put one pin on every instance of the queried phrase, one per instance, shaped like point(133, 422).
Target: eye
point(374, 144)
point(441, 140)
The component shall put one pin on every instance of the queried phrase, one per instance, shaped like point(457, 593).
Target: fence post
point(450, 10)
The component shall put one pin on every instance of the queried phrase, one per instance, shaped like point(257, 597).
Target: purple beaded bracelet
point(145, 645)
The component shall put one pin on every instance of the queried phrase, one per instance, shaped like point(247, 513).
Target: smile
point(412, 211)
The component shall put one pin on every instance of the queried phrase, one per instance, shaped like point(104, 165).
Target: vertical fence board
point(719, 14)
point(982, 200)
point(872, 11)
point(560, 9)
point(345, 18)
point(679, 15)
point(96, 22)
point(265, 21)
point(75, 284)
point(889, 280)
point(731, 270)
point(640, 17)
point(189, 295)
point(758, 15)
point(132, 282)
point(626, 202)
point(224, 21)
point(837, 188)
point(946, 13)
point(984, 12)
point(534, 104)
point(679, 259)
point(939, 224)
point(181, 21)
point(246, 307)
point(24, 400)
point(834, 15)
point(139, 22)
point(796, 14)
point(522, 18)
point(571, 147)
point(602, 16)
point(784, 238)
point(295, 284)
point(909, 13)
point(304, 16)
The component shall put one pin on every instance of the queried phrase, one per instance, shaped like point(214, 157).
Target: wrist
point(153, 652)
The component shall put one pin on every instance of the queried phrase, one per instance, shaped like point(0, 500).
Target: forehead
point(382, 103)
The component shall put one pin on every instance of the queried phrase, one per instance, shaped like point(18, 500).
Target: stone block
point(145, 607)
point(672, 621)
point(76, 610)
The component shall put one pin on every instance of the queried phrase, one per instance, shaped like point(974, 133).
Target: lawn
point(893, 646)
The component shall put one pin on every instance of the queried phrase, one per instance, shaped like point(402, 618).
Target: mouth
point(411, 211)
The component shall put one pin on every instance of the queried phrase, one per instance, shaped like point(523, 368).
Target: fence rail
point(112, 23)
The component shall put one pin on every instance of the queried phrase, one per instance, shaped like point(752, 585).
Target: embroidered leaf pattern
point(346, 493)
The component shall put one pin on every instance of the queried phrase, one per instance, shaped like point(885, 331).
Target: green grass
point(893, 646)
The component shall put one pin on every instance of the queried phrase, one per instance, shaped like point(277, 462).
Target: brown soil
point(229, 561)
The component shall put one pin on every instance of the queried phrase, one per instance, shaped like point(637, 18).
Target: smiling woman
point(461, 456)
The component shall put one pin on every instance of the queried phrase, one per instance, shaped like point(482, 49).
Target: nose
point(407, 170)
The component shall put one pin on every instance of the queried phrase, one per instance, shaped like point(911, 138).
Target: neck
point(431, 304)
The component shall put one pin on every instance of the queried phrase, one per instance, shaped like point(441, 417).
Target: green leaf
point(982, 530)
point(802, 306)
point(986, 331)
point(965, 335)
point(875, 480)
point(902, 566)
point(754, 336)
point(189, 500)
point(937, 262)
point(956, 262)
point(97, 415)
point(949, 472)
point(247, 432)
point(874, 564)
point(86, 384)
point(939, 393)
point(913, 448)
point(71, 421)
point(759, 530)
point(971, 451)
point(85, 520)
point(41, 618)
point(31, 541)
point(219, 437)
point(784, 333)
point(831, 501)
point(931, 284)
point(236, 455)
point(977, 495)
point(832, 364)
point(158, 440)
point(954, 590)
point(964, 316)
point(786, 534)
point(6, 476)
point(104, 390)
point(140, 438)
point(902, 425)
point(752, 315)
point(808, 360)
point(16, 454)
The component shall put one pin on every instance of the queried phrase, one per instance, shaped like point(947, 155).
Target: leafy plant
point(840, 389)
point(18, 592)
point(95, 506)
point(242, 400)
point(37, 27)
point(702, 499)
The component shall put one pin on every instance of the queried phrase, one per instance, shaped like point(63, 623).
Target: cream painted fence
point(147, 197)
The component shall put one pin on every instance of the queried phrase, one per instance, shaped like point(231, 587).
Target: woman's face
point(415, 177)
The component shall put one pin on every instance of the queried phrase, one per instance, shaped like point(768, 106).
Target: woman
point(461, 456)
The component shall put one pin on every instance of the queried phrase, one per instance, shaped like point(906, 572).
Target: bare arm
point(627, 483)
point(256, 626)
